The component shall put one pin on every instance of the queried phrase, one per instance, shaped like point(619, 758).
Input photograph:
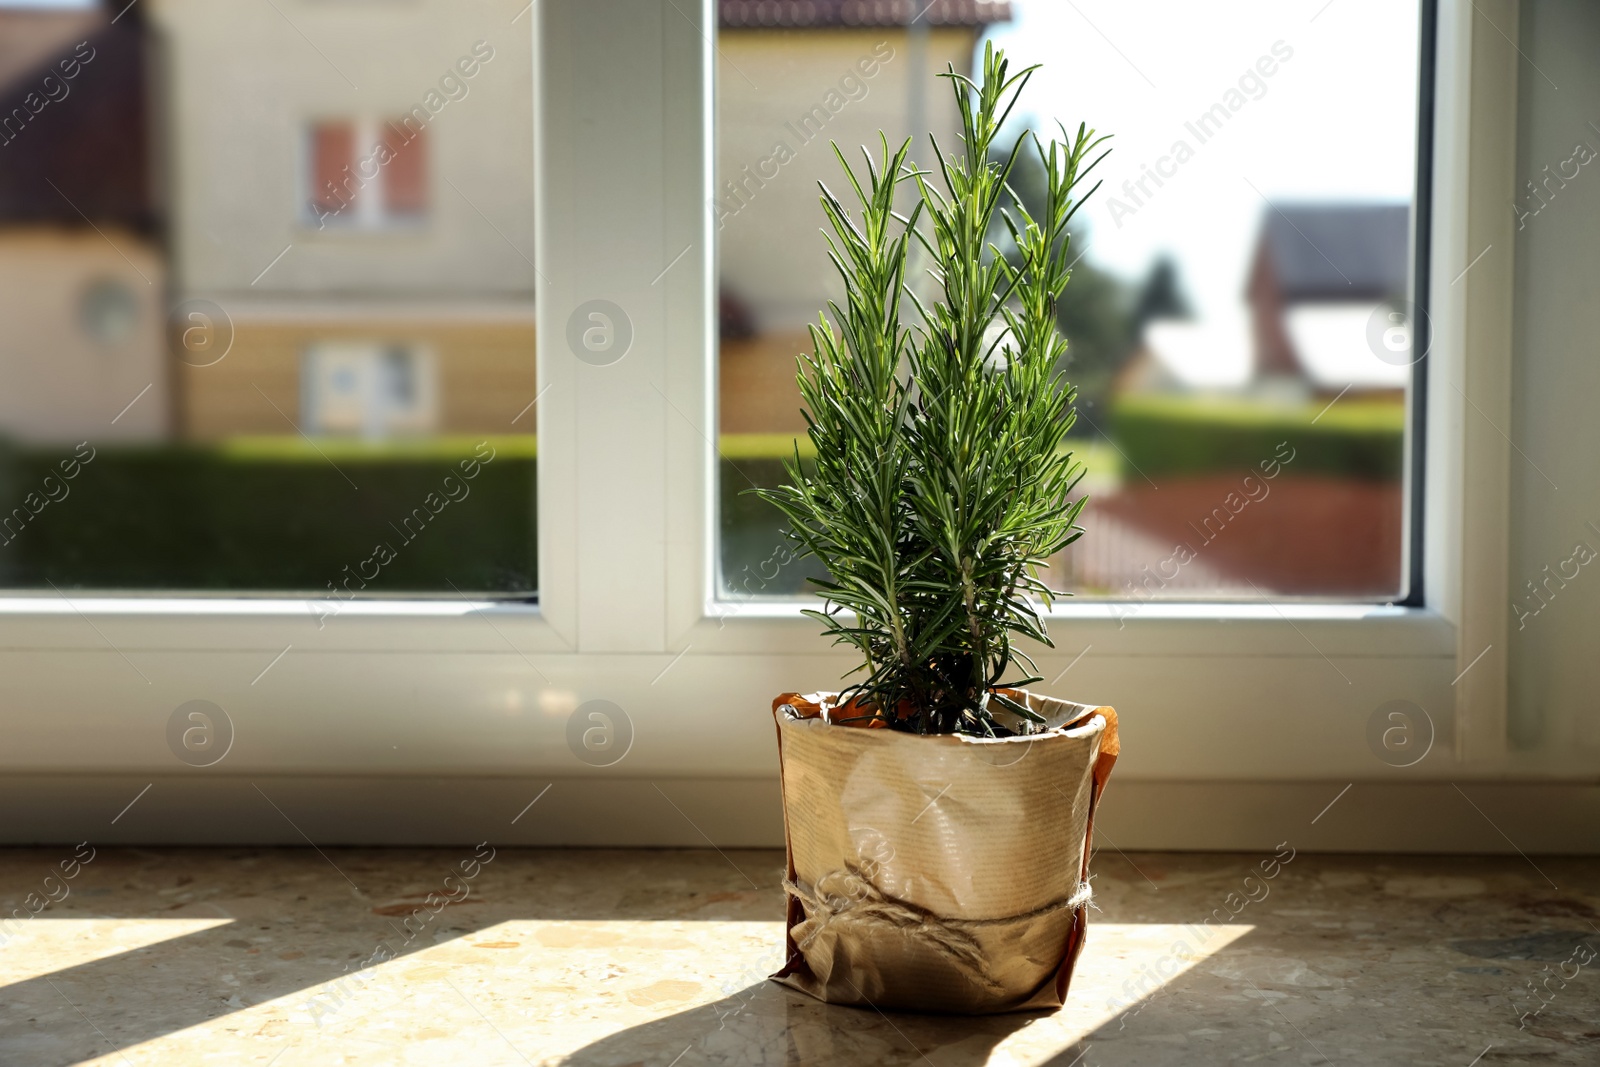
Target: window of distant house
point(372, 390)
point(367, 173)
point(1237, 317)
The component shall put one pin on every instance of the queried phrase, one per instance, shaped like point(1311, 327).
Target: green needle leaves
point(942, 482)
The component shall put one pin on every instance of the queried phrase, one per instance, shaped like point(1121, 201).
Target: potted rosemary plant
point(937, 812)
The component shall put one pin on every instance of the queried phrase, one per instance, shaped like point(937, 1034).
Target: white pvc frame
point(627, 612)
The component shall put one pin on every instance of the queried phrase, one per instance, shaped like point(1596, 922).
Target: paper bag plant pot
point(942, 873)
point(938, 825)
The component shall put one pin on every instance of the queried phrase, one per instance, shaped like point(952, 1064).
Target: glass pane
point(1237, 318)
point(269, 300)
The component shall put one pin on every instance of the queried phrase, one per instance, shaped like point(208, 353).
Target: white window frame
point(456, 689)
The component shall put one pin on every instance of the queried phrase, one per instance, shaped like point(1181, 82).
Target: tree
point(1161, 296)
point(1093, 312)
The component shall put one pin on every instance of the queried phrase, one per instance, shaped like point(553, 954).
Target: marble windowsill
point(266, 956)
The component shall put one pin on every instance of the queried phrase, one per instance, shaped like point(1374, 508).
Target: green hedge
point(757, 556)
point(1177, 435)
point(272, 517)
point(275, 515)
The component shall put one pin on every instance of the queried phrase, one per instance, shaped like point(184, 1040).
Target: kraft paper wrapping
point(942, 873)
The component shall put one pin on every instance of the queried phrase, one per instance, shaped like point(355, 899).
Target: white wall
point(771, 255)
point(244, 78)
point(62, 385)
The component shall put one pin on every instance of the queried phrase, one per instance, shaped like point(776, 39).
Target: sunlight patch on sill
point(42, 946)
point(648, 989)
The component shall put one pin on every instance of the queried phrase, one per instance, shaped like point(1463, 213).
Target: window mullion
point(602, 227)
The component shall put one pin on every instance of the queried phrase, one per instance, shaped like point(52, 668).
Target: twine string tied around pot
point(846, 896)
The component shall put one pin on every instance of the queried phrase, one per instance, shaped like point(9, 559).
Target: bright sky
point(1337, 120)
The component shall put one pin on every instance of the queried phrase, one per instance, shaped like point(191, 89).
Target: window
point(199, 392)
point(308, 320)
point(368, 174)
point(370, 390)
point(1239, 315)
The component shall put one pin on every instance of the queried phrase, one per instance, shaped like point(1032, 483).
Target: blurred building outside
point(794, 75)
point(1325, 292)
point(1180, 387)
point(214, 210)
point(215, 242)
point(262, 256)
point(1319, 274)
point(83, 279)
